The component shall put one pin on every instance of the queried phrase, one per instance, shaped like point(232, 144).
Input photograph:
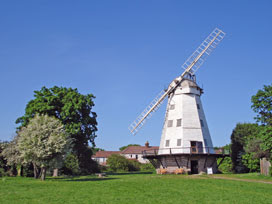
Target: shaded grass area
point(133, 188)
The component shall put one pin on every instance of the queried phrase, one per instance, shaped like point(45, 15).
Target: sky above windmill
point(126, 52)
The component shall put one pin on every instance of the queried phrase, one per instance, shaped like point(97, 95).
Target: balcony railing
point(184, 150)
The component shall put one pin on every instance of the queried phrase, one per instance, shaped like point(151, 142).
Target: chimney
point(147, 144)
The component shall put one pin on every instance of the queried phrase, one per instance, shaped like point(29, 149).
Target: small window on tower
point(170, 123)
point(178, 122)
point(179, 142)
point(202, 123)
point(198, 106)
point(167, 143)
point(172, 107)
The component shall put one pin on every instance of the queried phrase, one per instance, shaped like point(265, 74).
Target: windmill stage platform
point(192, 160)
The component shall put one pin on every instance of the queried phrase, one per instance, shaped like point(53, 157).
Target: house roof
point(105, 154)
point(138, 149)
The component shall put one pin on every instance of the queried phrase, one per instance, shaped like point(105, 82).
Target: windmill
point(185, 131)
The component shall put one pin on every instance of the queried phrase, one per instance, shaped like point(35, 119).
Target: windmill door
point(194, 167)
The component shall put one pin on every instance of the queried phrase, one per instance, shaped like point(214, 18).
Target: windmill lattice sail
point(191, 65)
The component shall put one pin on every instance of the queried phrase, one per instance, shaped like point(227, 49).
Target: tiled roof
point(138, 149)
point(105, 154)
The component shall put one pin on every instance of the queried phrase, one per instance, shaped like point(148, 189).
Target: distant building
point(131, 152)
point(102, 156)
point(136, 152)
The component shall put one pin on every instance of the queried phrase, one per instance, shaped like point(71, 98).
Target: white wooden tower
point(185, 129)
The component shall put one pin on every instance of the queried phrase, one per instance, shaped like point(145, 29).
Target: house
point(101, 156)
point(136, 152)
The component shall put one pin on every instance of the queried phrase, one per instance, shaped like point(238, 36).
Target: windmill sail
point(191, 65)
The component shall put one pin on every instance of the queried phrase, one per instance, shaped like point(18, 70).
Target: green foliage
point(3, 160)
point(242, 133)
point(124, 147)
point(262, 105)
point(266, 137)
point(74, 110)
point(134, 165)
point(117, 162)
point(252, 163)
point(225, 166)
point(71, 165)
point(43, 140)
point(11, 152)
point(147, 167)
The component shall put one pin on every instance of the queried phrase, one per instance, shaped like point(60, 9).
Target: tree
point(43, 140)
point(117, 162)
point(74, 110)
point(12, 155)
point(262, 105)
point(3, 161)
point(124, 147)
point(242, 133)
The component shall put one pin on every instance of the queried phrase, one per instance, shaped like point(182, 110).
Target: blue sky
point(126, 52)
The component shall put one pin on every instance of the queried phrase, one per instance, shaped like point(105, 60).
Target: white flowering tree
point(42, 141)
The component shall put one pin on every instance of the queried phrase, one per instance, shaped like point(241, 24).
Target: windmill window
point(172, 107)
point(202, 123)
point(167, 143)
point(198, 106)
point(178, 122)
point(179, 142)
point(170, 123)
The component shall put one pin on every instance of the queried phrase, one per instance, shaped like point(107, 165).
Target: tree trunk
point(36, 171)
point(55, 172)
point(43, 173)
point(19, 170)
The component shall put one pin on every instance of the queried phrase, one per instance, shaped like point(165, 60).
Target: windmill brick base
point(192, 163)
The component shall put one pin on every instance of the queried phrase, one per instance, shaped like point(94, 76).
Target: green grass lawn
point(133, 188)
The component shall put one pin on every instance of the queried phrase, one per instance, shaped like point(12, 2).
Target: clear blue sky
point(126, 52)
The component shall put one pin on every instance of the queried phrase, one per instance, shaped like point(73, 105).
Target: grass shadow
point(128, 173)
point(91, 179)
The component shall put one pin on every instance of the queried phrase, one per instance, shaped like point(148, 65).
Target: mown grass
point(133, 188)
point(249, 176)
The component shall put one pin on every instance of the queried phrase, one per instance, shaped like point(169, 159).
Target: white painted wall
point(139, 157)
point(185, 98)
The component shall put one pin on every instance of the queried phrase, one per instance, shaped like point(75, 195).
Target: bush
point(225, 166)
point(71, 165)
point(147, 167)
point(117, 162)
point(134, 165)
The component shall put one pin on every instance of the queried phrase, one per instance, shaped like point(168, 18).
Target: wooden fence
point(265, 166)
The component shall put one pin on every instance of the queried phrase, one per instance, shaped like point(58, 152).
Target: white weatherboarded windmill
point(185, 141)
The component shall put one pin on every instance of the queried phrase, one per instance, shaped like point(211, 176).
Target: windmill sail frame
point(191, 65)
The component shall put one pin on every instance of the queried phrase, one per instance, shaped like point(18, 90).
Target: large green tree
point(262, 105)
point(74, 110)
point(43, 141)
point(241, 135)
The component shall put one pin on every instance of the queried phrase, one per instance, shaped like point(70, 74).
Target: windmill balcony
point(185, 151)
